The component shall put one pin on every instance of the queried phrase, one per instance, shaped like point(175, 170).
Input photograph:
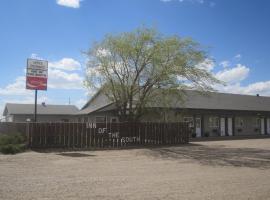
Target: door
point(222, 126)
point(268, 126)
point(230, 133)
point(262, 126)
point(198, 127)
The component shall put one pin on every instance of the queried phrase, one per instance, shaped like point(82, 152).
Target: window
point(198, 122)
point(101, 119)
point(114, 119)
point(239, 122)
point(85, 119)
point(190, 120)
point(257, 122)
point(214, 122)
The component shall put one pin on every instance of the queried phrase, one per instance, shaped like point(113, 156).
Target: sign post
point(36, 78)
point(35, 115)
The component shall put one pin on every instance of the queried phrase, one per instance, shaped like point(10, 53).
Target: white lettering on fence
point(130, 139)
point(102, 130)
point(91, 125)
point(114, 135)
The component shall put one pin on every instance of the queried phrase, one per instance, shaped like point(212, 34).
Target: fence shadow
point(215, 155)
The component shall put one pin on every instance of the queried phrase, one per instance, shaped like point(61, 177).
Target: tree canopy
point(131, 67)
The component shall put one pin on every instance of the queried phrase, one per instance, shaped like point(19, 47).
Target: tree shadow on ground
point(65, 152)
point(217, 155)
point(75, 154)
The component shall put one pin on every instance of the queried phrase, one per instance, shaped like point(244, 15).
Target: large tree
point(135, 68)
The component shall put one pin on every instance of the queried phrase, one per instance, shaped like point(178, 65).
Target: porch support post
point(202, 125)
point(233, 125)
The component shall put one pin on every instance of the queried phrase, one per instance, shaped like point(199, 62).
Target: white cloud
point(29, 99)
point(225, 63)
point(238, 56)
point(257, 88)
point(68, 64)
point(80, 103)
point(262, 88)
point(16, 88)
point(103, 52)
point(59, 79)
point(36, 56)
point(233, 75)
point(207, 64)
point(69, 3)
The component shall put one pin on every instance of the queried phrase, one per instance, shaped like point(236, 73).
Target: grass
point(12, 144)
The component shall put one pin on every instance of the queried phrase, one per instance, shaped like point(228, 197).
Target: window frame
point(116, 119)
point(190, 120)
point(257, 122)
point(237, 120)
point(213, 122)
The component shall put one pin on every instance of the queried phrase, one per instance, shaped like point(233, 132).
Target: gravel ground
point(238, 169)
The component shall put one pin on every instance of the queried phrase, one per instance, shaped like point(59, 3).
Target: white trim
point(262, 126)
point(222, 126)
point(229, 128)
point(268, 126)
point(198, 128)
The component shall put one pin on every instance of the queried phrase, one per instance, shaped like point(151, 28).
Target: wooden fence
point(9, 128)
point(106, 135)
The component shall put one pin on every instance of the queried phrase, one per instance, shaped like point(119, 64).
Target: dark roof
point(224, 101)
point(20, 109)
point(97, 102)
point(195, 100)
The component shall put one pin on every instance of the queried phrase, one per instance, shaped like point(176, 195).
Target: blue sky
point(236, 33)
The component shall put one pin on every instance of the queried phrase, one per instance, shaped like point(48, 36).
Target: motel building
point(212, 114)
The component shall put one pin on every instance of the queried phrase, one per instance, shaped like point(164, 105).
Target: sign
point(36, 74)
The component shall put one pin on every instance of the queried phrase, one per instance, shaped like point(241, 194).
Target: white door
point(268, 126)
point(198, 127)
point(230, 126)
point(262, 126)
point(222, 126)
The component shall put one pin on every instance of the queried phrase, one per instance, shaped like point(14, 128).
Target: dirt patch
point(238, 169)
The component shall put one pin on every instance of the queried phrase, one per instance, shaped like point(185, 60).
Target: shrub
point(193, 135)
point(11, 144)
point(12, 148)
point(206, 134)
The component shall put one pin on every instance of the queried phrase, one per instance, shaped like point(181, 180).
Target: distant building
point(215, 114)
point(14, 112)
